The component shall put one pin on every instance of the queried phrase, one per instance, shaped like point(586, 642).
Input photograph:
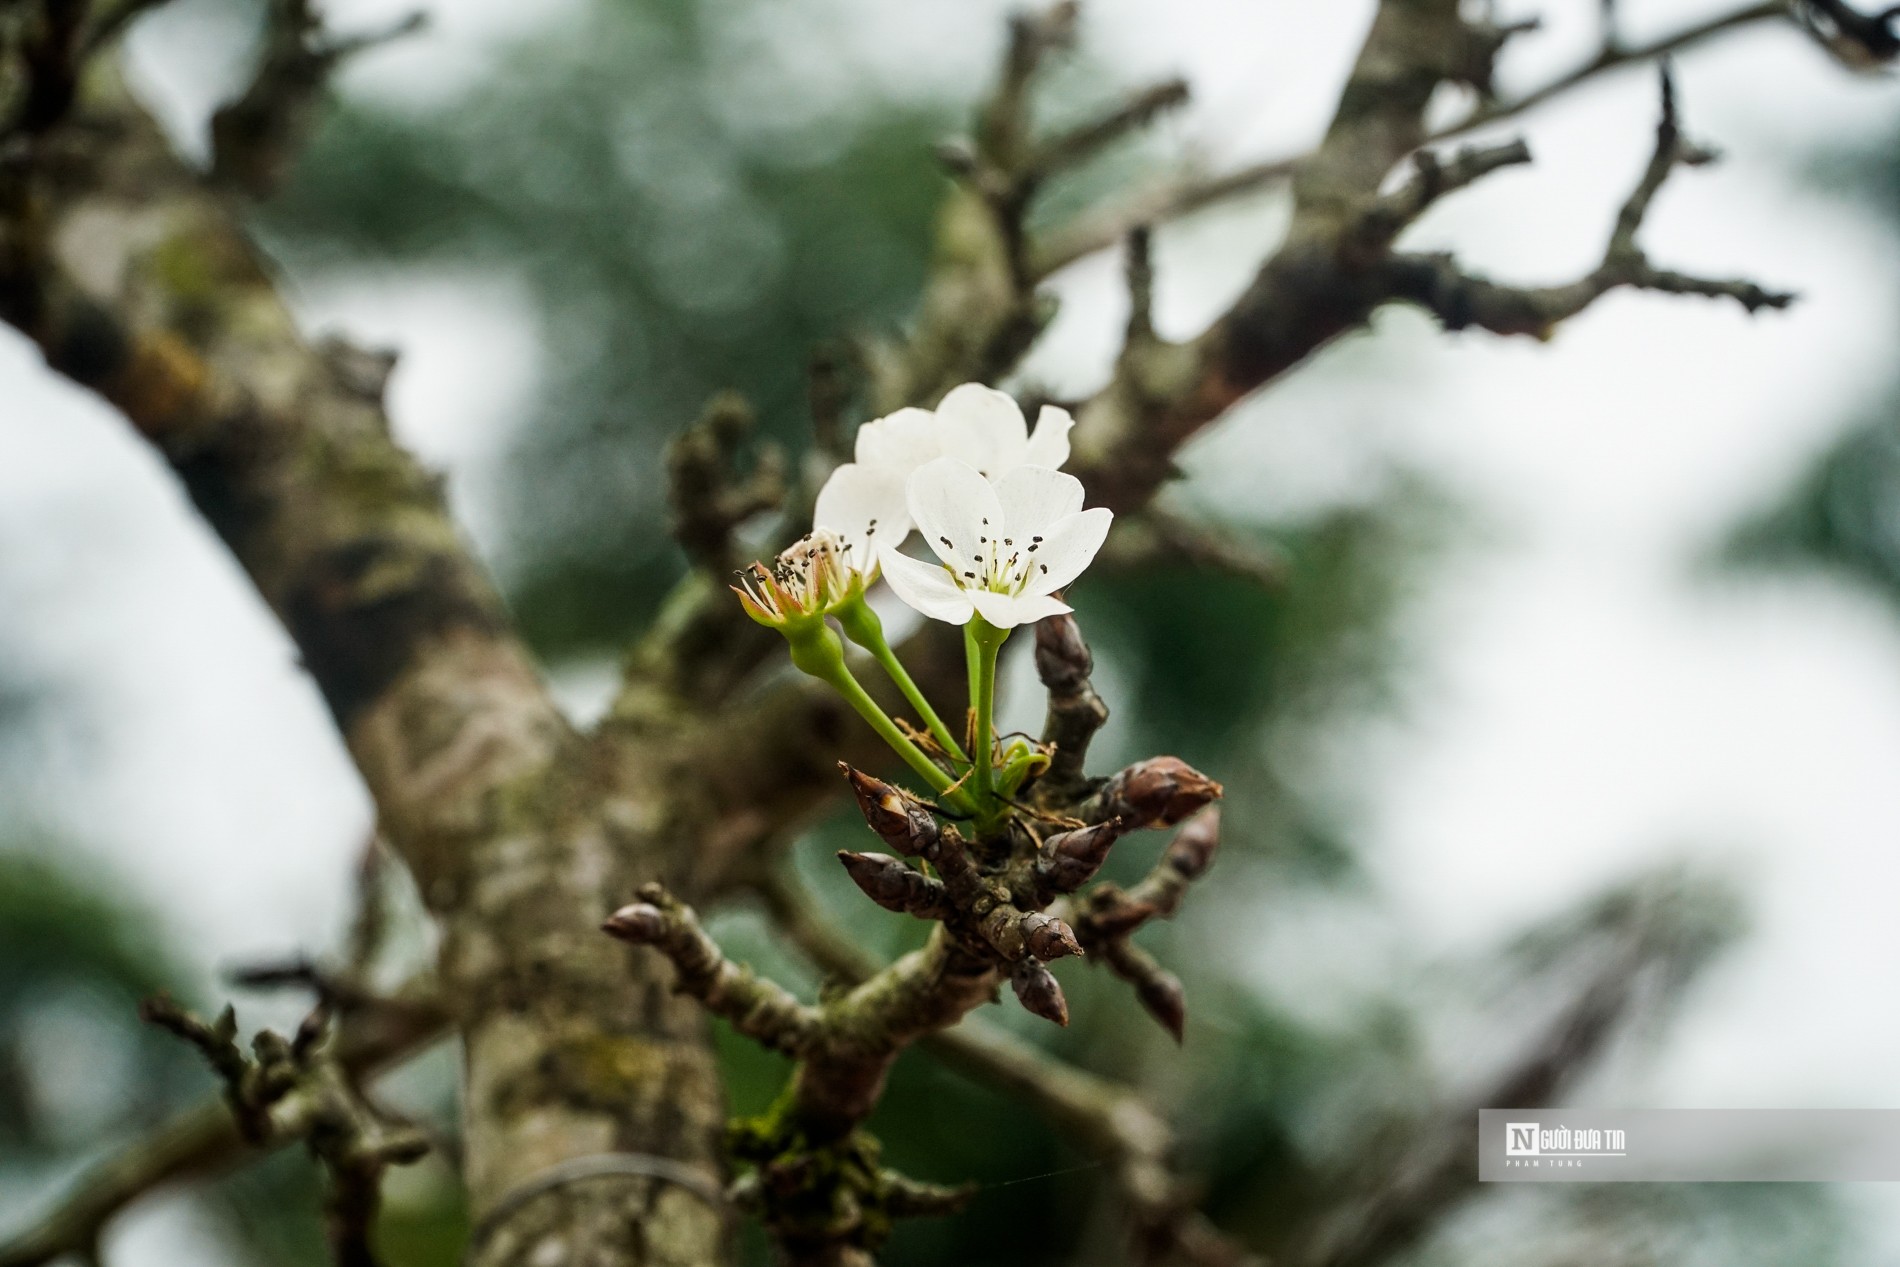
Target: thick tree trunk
point(519, 832)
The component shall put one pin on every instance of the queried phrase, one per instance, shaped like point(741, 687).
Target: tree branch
point(1435, 282)
point(1103, 1118)
point(204, 1140)
point(256, 139)
point(762, 1011)
point(1183, 197)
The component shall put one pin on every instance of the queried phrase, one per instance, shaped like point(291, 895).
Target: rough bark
point(136, 280)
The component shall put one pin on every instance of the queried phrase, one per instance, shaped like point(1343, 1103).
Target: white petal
point(865, 506)
point(902, 441)
point(926, 587)
point(982, 426)
point(953, 506)
point(1006, 611)
point(1033, 498)
point(1067, 548)
point(1050, 445)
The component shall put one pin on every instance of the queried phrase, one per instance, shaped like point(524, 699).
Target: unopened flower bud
point(1063, 661)
point(1119, 917)
point(1158, 990)
point(893, 885)
point(1070, 860)
point(1039, 992)
point(1165, 1000)
point(1192, 850)
point(1047, 937)
point(899, 821)
point(1158, 792)
point(640, 923)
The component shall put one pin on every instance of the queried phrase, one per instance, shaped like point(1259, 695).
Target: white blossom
point(979, 425)
point(1006, 545)
point(861, 507)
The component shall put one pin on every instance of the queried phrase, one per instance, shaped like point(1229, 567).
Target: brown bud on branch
point(895, 886)
point(1076, 712)
point(640, 923)
point(1158, 792)
point(1070, 860)
point(251, 1087)
point(898, 820)
point(1039, 992)
point(1063, 661)
point(761, 1010)
point(1107, 912)
point(1192, 851)
point(1048, 938)
point(1158, 989)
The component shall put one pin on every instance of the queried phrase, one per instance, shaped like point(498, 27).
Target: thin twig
point(1186, 196)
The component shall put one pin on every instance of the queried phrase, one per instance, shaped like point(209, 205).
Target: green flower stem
point(862, 626)
point(820, 652)
point(981, 641)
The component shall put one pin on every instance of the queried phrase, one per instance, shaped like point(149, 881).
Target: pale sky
point(1584, 704)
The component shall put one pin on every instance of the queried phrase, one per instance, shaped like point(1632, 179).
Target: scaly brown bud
point(1158, 990)
point(1158, 792)
point(895, 886)
point(1070, 860)
point(1192, 850)
point(1047, 937)
point(1118, 915)
point(639, 923)
point(899, 821)
point(1165, 1000)
point(1063, 661)
point(1039, 991)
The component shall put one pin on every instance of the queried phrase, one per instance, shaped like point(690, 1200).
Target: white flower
point(978, 424)
point(1007, 545)
point(862, 507)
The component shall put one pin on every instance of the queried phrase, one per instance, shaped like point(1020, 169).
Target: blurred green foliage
point(74, 1061)
point(1844, 512)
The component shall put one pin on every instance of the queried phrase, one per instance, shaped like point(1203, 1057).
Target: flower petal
point(982, 426)
point(1050, 445)
point(903, 441)
point(1033, 498)
point(954, 506)
point(926, 587)
point(864, 506)
point(1006, 611)
point(1067, 548)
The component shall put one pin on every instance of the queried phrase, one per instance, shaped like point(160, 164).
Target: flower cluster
point(1008, 530)
point(1005, 522)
